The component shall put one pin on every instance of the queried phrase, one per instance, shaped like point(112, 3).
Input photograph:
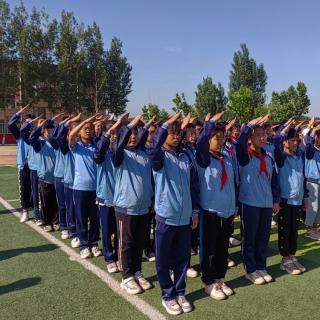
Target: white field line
point(113, 284)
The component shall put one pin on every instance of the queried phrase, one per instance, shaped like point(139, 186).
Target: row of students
point(111, 174)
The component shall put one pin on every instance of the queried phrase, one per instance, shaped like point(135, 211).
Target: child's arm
point(275, 191)
point(310, 150)
point(104, 142)
point(143, 135)
point(242, 145)
point(72, 139)
point(158, 139)
point(12, 124)
point(34, 136)
point(122, 141)
point(202, 153)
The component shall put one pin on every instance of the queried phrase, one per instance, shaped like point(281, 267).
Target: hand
point(193, 120)
point(311, 122)
point(276, 207)
point(315, 129)
point(230, 124)
point(185, 121)
point(300, 124)
point(173, 119)
point(256, 121)
point(42, 122)
point(74, 119)
point(195, 221)
point(208, 116)
point(305, 205)
point(136, 120)
point(217, 116)
point(123, 118)
point(35, 120)
point(58, 117)
point(151, 121)
point(28, 106)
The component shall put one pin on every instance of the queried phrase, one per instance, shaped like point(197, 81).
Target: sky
point(173, 44)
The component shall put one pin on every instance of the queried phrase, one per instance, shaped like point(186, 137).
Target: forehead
point(258, 130)
point(88, 126)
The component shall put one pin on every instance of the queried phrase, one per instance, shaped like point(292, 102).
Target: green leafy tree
point(247, 73)
point(152, 110)
point(210, 98)
point(241, 104)
point(181, 105)
point(291, 102)
point(118, 82)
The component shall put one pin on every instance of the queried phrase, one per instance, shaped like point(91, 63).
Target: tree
point(118, 82)
point(95, 60)
point(150, 110)
point(209, 98)
point(181, 105)
point(7, 76)
point(291, 102)
point(241, 104)
point(245, 72)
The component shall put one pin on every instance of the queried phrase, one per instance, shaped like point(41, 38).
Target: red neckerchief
point(263, 163)
point(233, 139)
point(230, 150)
point(224, 176)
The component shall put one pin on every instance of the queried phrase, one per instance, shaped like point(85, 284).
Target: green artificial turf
point(55, 285)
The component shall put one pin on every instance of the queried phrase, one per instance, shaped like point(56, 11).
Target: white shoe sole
point(216, 297)
point(172, 312)
point(256, 283)
point(292, 273)
point(130, 291)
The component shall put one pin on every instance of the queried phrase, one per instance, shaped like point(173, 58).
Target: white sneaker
point(290, 267)
point(192, 273)
point(131, 286)
point(226, 290)
point(298, 264)
point(96, 252)
point(38, 223)
point(172, 307)
point(56, 227)
point(273, 223)
point(234, 242)
point(231, 263)
point(142, 281)
point(214, 291)
point(24, 216)
point(265, 275)
point(112, 267)
point(48, 228)
point(255, 278)
point(184, 304)
point(75, 242)
point(313, 234)
point(119, 265)
point(85, 253)
point(64, 234)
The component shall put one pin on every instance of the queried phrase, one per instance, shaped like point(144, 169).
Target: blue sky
point(173, 44)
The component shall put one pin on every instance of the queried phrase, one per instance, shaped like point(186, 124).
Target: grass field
point(38, 281)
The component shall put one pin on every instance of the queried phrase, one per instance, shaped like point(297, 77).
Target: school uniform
point(176, 195)
point(33, 162)
point(132, 199)
point(45, 171)
point(312, 173)
point(258, 192)
point(58, 180)
point(68, 179)
point(218, 203)
point(84, 194)
point(25, 194)
point(292, 192)
point(105, 194)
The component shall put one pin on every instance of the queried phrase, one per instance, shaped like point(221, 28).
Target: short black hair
point(29, 116)
point(220, 127)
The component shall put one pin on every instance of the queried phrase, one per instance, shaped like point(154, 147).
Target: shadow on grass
point(19, 285)
point(8, 254)
point(8, 211)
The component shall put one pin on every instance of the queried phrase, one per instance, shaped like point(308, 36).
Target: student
point(105, 194)
point(58, 178)
point(68, 176)
point(22, 164)
point(33, 163)
point(176, 195)
point(84, 187)
point(258, 194)
point(312, 172)
point(293, 194)
point(218, 203)
point(149, 249)
point(132, 200)
point(189, 147)
point(40, 139)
